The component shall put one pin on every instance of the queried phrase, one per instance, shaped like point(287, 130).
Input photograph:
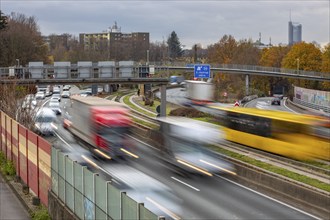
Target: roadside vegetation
point(274, 169)
point(6, 166)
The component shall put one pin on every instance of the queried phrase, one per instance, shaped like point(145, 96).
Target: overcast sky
point(198, 21)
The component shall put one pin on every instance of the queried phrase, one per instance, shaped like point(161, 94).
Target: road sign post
point(202, 71)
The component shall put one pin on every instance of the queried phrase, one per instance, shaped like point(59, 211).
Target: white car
point(56, 97)
point(44, 122)
point(55, 106)
point(40, 95)
point(66, 94)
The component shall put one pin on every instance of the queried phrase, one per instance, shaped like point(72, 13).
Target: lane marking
point(194, 188)
point(63, 141)
point(270, 198)
point(284, 103)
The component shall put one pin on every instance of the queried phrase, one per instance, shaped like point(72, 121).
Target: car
point(66, 94)
point(66, 121)
point(55, 106)
point(56, 90)
point(85, 93)
point(40, 95)
point(66, 87)
point(276, 101)
point(44, 122)
point(56, 96)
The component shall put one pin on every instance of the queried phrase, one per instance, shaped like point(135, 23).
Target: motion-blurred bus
point(283, 133)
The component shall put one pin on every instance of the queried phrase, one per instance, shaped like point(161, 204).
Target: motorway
point(192, 197)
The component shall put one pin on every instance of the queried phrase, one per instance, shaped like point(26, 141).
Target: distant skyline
point(203, 22)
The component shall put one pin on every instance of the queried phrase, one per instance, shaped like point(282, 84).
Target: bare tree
point(21, 40)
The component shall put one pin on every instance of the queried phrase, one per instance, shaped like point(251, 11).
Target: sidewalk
point(10, 206)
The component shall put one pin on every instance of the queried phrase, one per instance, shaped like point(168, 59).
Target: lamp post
point(147, 57)
point(297, 65)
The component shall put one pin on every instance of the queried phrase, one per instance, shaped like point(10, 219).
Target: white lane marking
point(284, 103)
point(270, 198)
point(194, 188)
point(64, 141)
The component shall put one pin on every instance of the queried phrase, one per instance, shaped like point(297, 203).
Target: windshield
point(54, 104)
point(115, 134)
point(44, 119)
point(184, 146)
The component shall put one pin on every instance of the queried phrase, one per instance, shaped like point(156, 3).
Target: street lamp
point(147, 57)
point(297, 65)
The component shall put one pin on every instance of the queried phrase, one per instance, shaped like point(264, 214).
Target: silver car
point(44, 122)
point(55, 106)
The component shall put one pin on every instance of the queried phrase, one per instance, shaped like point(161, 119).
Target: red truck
point(103, 124)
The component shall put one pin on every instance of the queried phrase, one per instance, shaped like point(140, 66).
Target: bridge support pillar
point(163, 100)
point(247, 84)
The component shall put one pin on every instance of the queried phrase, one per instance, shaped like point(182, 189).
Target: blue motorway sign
point(202, 71)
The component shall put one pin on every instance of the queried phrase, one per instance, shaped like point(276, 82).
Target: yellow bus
point(284, 133)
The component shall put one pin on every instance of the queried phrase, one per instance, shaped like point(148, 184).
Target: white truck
point(102, 124)
point(183, 144)
point(199, 92)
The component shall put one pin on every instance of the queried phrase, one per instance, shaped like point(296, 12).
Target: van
point(44, 122)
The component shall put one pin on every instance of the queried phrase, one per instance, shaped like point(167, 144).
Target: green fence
point(89, 196)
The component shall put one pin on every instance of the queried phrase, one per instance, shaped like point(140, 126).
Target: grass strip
point(274, 169)
point(127, 102)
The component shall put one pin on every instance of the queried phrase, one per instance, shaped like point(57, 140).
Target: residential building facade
point(117, 45)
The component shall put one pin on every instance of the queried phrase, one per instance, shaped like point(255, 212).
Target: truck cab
point(183, 143)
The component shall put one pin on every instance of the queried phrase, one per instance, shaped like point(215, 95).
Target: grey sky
point(198, 21)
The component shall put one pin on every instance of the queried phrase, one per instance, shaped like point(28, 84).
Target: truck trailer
point(102, 124)
point(199, 92)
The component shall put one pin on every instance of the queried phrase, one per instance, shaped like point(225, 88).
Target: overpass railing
point(246, 68)
point(111, 69)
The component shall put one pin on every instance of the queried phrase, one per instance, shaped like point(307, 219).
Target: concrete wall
point(57, 209)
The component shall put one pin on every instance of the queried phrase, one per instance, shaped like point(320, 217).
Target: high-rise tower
point(295, 32)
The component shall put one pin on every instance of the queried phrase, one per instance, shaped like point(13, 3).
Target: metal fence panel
point(69, 170)
point(78, 181)
point(61, 164)
point(88, 184)
point(78, 204)
point(100, 195)
point(89, 208)
point(113, 202)
point(144, 213)
point(69, 184)
point(129, 208)
point(69, 196)
point(61, 188)
point(100, 214)
point(54, 159)
point(55, 182)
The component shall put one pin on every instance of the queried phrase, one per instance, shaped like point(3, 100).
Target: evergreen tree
point(174, 46)
point(3, 21)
